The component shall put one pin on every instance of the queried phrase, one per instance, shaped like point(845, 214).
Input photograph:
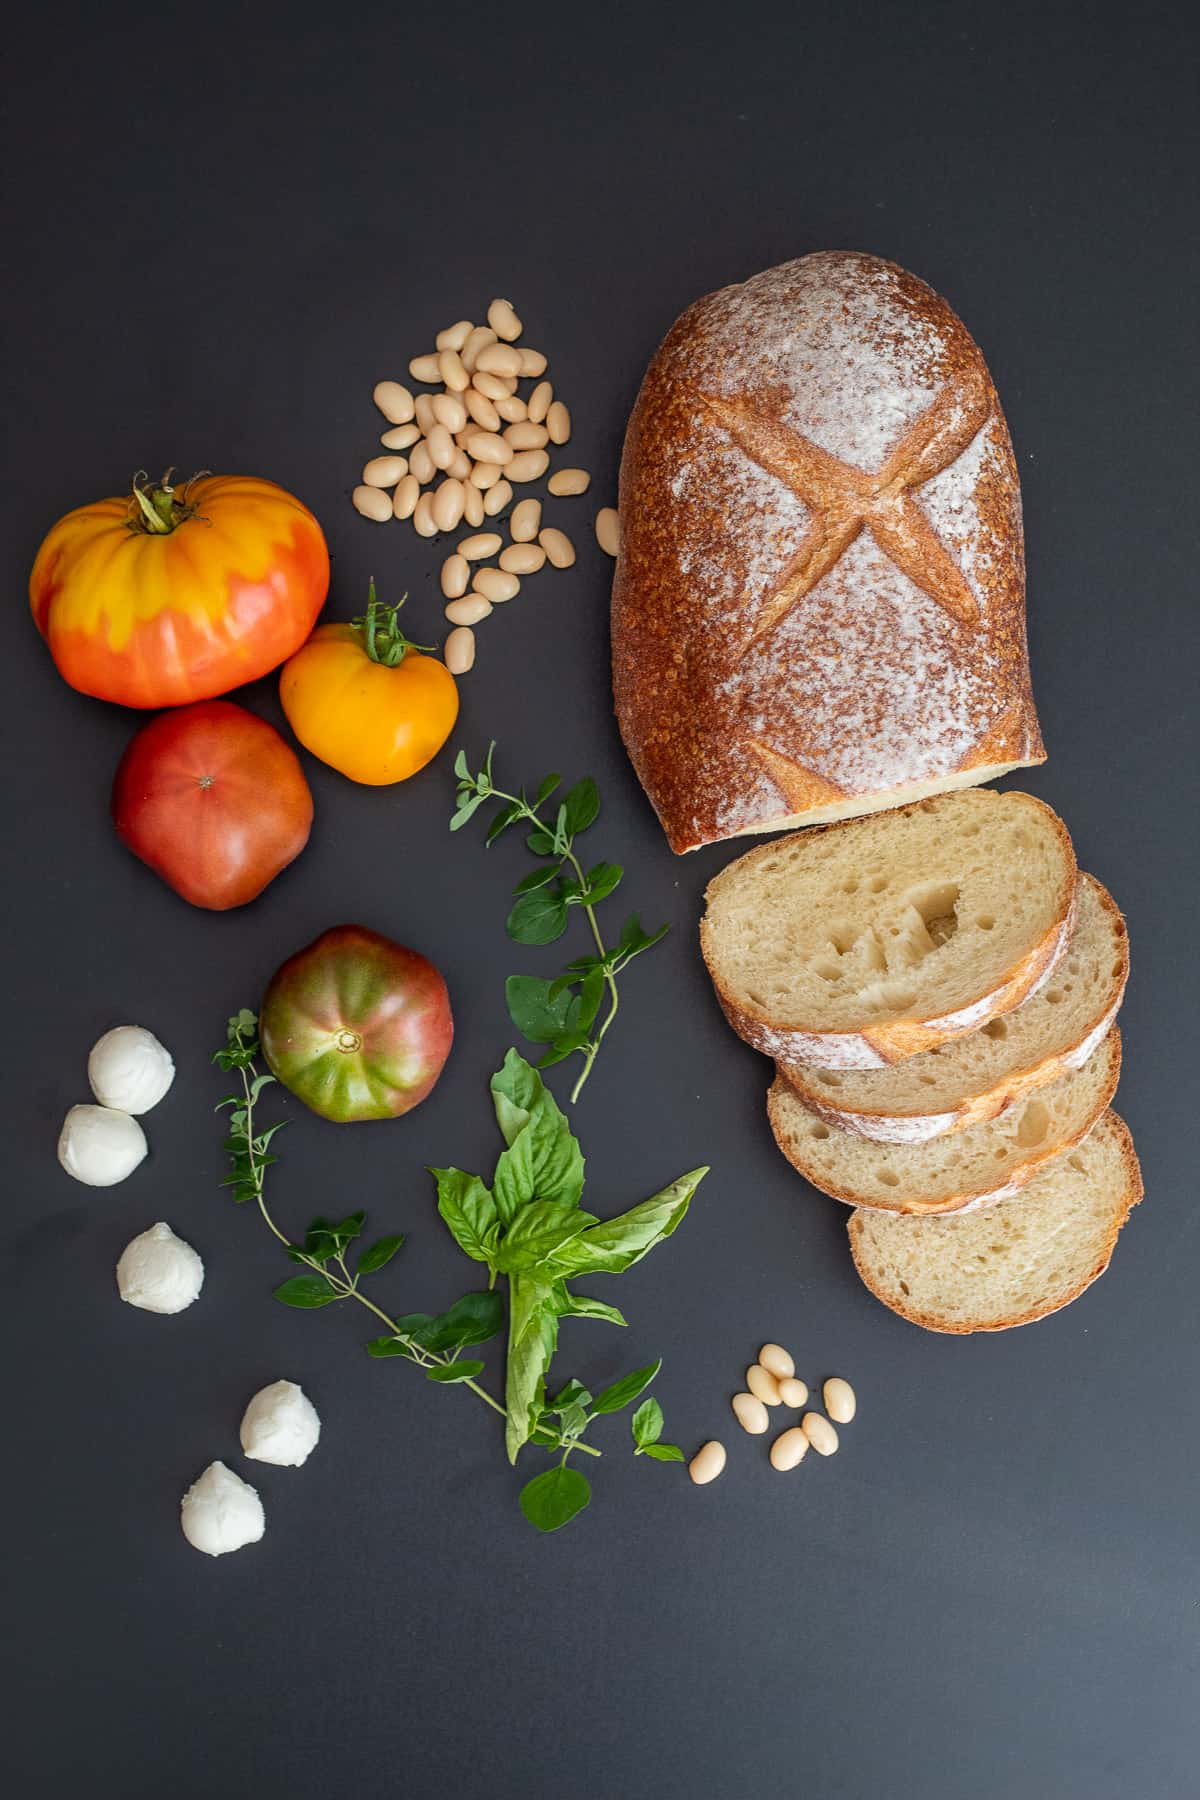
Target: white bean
point(527, 465)
point(558, 546)
point(608, 530)
point(532, 363)
point(449, 411)
point(468, 611)
point(569, 481)
point(425, 368)
point(472, 503)
point(840, 1401)
point(477, 340)
point(485, 446)
point(497, 498)
point(490, 386)
point(481, 546)
point(400, 437)
point(496, 585)
point(538, 404)
point(558, 423)
point(486, 475)
point(426, 417)
point(441, 447)
point(793, 1393)
point(524, 436)
point(482, 410)
point(750, 1414)
point(526, 521)
point(499, 359)
point(820, 1433)
point(503, 320)
point(394, 401)
point(420, 463)
point(454, 336)
point(707, 1463)
point(404, 500)
point(456, 578)
point(763, 1384)
point(776, 1361)
point(372, 503)
point(384, 471)
point(459, 466)
point(510, 409)
point(424, 523)
point(448, 505)
point(452, 371)
point(458, 652)
point(522, 559)
point(789, 1448)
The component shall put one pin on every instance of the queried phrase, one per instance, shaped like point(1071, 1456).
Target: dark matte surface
point(224, 232)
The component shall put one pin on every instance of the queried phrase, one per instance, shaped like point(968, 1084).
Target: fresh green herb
point(529, 1227)
point(562, 1013)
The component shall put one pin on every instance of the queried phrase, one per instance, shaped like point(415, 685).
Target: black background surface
point(225, 228)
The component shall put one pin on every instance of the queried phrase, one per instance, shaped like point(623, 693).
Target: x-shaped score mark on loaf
point(844, 500)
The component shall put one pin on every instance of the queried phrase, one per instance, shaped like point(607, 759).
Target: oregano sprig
point(562, 1013)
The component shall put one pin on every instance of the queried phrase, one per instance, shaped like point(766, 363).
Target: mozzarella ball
point(159, 1272)
point(100, 1146)
point(280, 1425)
point(129, 1069)
point(221, 1512)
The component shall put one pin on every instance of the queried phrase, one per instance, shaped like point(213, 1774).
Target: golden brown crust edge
point(1135, 1192)
point(973, 1109)
point(965, 1200)
point(893, 1041)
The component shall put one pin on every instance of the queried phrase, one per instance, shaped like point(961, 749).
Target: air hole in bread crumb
point(819, 1130)
point(904, 1287)
point(1073, 967)
point(888, 1179)
point(877, 884)
point(985, 921)
point(928, 1081)
point(996, 1028)
point(1076, 1163)
point(1118, 969)
point(1034, 1125)
point(828, 1079)
point(850, 887)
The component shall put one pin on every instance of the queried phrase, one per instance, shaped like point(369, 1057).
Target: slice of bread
point(857, 945)
point(1014, 1262)
point(969, 1168)
point(974, 1078)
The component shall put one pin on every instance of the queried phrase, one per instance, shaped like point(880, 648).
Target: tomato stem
point(159, 510)
point(383, 639)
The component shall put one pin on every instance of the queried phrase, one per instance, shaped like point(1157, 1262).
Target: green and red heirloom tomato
point(214, 801)
point(172, 594)
point(356, 1026)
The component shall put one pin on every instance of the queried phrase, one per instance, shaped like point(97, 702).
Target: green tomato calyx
point(383, 640)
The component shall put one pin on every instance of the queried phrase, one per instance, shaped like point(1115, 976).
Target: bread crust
point(819, 605)
point(893, 1040)
point(973, 1109)
point(1134, 1193)
point(966, 1200)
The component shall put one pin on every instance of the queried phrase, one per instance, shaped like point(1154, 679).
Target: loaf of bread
point(819, 604)
point(974, 1078)
point(1014, 1262)
point(860, 944)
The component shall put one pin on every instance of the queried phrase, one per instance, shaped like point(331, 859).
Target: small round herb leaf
point(305, 1291)
point(379, 1254)
point(647, 1424)
point(663, 1452)
point(455, 1371)
point(552, 1499)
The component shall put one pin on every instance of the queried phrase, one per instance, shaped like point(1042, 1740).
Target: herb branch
point(562, 1013)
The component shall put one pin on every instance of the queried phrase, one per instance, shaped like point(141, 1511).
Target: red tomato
point(214, 801)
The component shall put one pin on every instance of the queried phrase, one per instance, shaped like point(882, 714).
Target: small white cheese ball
point(100, 1146)
point(280, 1425)
point(159, 1272)
point(129, 1069)
point(221, 1512)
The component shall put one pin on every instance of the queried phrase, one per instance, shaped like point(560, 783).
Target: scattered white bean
point(558, 422)
point(459, 466)
point(522, 559)
point(472, 502)
point(569, 481)
point(448, 505)
point(820, 1433)
point(452, 372)
point(707, 1463)
point(441, 447)
point(404, 501)
point(789, 1448)
point(526, 521)
point(485, 446)
point(420, 463)
point(558, 546)
point(750, 1414)
point(425, 368)
point(763, 1384)
point(608, 530)
point(497, 497)
point(532, 362)
point(394, 401)
point(424, 523)
point(449, 411)
point(499, 359)
point(538, 404)
point(384, 471)
point(524, 436)
point(504, 321)
point(776, 1361)
point(510, 409)
point(372, 503)
point(482, 410)
point(480, 547)
point(400, 437)
point(840, 1401)
point(496, 585)
point(454, 336)
point(490, 386)
point(527, 465)
point(793, 1393)
point(468, 611)
point(456, 578)
point(485, 475)
point(479, 339)
point(458, 652)
point(426, 417)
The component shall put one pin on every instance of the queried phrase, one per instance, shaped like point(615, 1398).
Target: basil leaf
point(663, 1452)
point(572, 1420)
point(543, 1158)
point(552, 1499)
point(532, 1340)
point(513, 1184)
point(470, 1213)
point(579, 1306)
point(538, 918)
point(349, 1228)
point(472, 1320)
point(516, 1090)
point(647, 1423)
point(562, 1047)
point(537, 1012)
point(540, 1228)
point(620, 1393)
point(379, 1254)
point(582, 805)
point(305, 1291)
point(574, 1394)
point(388, 1346)
point(616, 1244)
point(455, 1371)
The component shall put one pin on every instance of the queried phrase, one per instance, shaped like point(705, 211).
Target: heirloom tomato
point(356, 1026)
point(214, 801)
point(172, 594)
point(366, 700)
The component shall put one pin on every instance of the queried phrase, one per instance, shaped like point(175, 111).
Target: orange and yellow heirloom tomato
point(173, 594)
point(366, 700)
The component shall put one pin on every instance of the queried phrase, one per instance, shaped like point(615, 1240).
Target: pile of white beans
point(455, 457)
point(772, 1381)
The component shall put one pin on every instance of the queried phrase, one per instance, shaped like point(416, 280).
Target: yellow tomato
point(368, 702)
